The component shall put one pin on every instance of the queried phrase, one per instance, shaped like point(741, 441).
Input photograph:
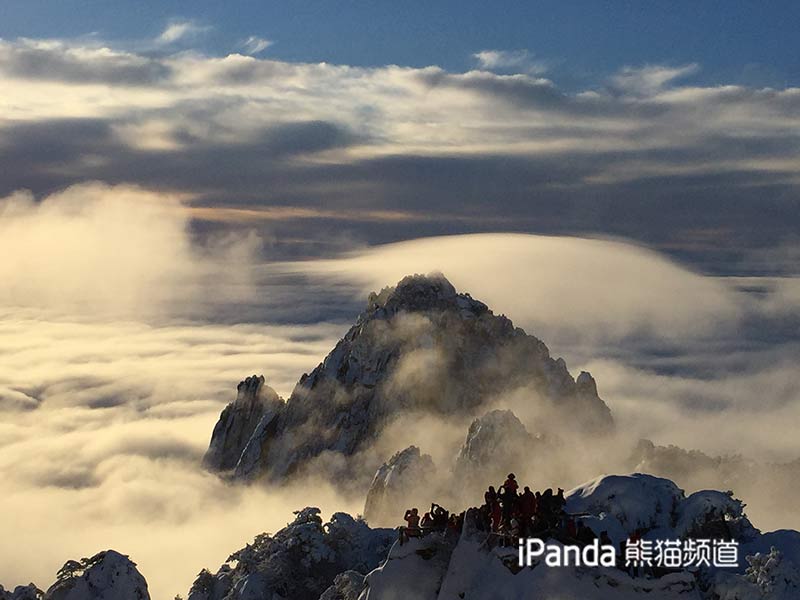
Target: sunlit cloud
point(520, 60)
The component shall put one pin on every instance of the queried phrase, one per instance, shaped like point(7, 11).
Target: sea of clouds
point(123, 335)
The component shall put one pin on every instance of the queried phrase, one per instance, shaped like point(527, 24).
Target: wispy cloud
point(520, 61)
point(651, 79)
point(255, 45)
point(180, 31)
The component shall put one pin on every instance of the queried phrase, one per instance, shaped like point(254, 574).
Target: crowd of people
point(437, 519)
point(509, 513)
point(520, 514)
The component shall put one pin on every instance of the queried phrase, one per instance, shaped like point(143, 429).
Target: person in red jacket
point(412, 528)
point(511, 484)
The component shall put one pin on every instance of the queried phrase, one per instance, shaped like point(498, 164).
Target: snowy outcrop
point(770, 576)
point(415, 569)
point(419, 346)
point(107, 575)
point(300, 562)
point(713, 514)
point(477, 572)
point(621, 504)
point(346, 586)
point(406, 477)
point(636, 501)
point(21, 592)
point(237, 423)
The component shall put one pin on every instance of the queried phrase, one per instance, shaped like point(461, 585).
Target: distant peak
point(422, 292)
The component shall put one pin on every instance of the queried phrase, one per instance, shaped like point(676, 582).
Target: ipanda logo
point(556, 555)
point(669, 554)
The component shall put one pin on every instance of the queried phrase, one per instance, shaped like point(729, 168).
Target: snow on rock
point(786, 540)
point(620, 504)
point(21, 592)
point(713, 514)
point(477, 567)
point(418, 346)
point(407, 477)
point(770, 576)
point(636, 501)
point(412, 570)
point(107, 575)
point(346, 586)
point(254, 401)
point(300, 562)
point(475, 572)
point(439, 568)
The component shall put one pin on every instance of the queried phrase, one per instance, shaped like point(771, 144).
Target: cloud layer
point(689, 169)
point(106, 410)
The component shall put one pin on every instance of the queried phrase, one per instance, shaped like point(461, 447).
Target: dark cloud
point(708, 174)
point(706, 217)
point(55, 62)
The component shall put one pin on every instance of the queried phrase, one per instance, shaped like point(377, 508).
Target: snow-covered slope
point(419, 346)
point(299, 562)
point(21, 592)
point(345, 559)
point(107, 575)
point(477, 568)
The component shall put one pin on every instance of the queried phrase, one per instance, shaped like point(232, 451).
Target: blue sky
point(734, 41)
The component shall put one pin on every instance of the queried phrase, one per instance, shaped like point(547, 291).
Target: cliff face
point(408, 477)
point(419, 346)
point(238, 421)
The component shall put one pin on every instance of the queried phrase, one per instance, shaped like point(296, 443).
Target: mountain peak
point(419, 347)
point(416, 293)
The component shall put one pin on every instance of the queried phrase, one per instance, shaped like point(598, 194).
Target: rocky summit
point(420, 347)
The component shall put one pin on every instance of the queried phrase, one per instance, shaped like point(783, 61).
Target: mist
point(123, 335)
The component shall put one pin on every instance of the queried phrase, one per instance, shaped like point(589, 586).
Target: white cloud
point(254, 45)
point(521, 60)
point(115, 250)
point(557, 286)
point(651, 79)
point(179, 31)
